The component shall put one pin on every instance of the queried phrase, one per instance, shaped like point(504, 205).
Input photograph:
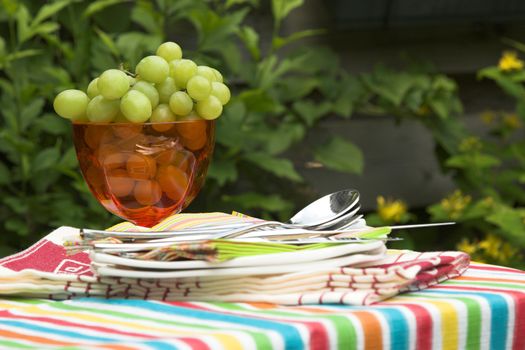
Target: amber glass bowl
point(144, 172)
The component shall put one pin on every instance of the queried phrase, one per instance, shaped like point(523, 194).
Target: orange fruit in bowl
point(173, 181)
point(126, 131)
point(195, 143)
point(141, 167)
point(111, 158)
point(119, 182)
point(192, 130)
point(147, 192)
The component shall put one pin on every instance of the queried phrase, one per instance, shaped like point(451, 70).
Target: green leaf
point(22, 20)
point(45, 28)
point(281, 9)
point(223, 171)
point(214, 29)
point(310, 111)
point(23, 54)
point(30, 112)
point(134, 45)
point(296, 87)
point(279, 42)
point(250, 38)
point(340, 155)
point(440, 107)
point(99, 5)
point(52, 124)
point(230, 3)
point(505, 81)
point(389, 85)
point(49, 10)
point(5, 176)
point(471, 161)
point(144, 14)
point(257, 101)
point(108, 41)
point(277, 166)
point(251, 200)
point(45, 159)
point(511, 222)
point(68, 160)
point(351, 92)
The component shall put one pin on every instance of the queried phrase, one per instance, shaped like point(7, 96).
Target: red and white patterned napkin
point(45, 270)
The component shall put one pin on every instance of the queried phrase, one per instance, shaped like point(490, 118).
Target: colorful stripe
point(484, 309)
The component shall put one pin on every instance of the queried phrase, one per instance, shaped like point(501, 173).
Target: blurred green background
point(307, 116)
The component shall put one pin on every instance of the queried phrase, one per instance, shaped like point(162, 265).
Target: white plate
point(354, 259)
point(256, 260)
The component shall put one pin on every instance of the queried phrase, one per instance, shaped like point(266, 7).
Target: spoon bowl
point(326, 209)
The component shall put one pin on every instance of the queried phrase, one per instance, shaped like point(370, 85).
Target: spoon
point(326, 208)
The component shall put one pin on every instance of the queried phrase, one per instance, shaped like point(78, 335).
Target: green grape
point(154, 69)
point(149, 90)
point(132, 80)
point(220, 91)
point(206, 72)
point(136, 106)
point(166, 89)
point(71, 104)
point(218, 75)
point(169, 51)
point(210, 108)
point(198, 88)
point(181, 103)
point(102, 110)
point(92, 89)
point(113, 84)
point(162, 114)
point(181, 71)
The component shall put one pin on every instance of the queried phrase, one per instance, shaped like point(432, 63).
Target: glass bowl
point(144, 172)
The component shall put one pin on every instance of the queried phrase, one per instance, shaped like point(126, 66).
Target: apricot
point(113, 160)
point(174, 181)
point(126, 131)
point(192, 129)
point(141, 167)
point(94, 176)
point(174, 157)
point(93, 135)
point(194, 144)
point(119, 182)
point(147, 192)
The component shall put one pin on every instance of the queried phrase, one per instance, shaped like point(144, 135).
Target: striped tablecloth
point(483, 309)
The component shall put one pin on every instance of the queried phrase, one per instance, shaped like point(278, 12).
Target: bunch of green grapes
point(165, 88)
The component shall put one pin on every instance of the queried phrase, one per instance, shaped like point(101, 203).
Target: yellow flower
point(455, 203)
point(497, 250)
point(512, 121)
point(488, 117)
point(470, 143)
point(487, 201)
point(390, 210)
point(510, 61)
point(491, 249)
point(423, 110)
point(466, 246)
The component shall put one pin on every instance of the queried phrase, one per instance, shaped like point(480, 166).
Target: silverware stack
point(332, 220)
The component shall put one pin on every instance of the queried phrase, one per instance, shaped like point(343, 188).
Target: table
point(483, 309)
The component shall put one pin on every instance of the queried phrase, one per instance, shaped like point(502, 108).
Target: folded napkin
point(45, 270)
